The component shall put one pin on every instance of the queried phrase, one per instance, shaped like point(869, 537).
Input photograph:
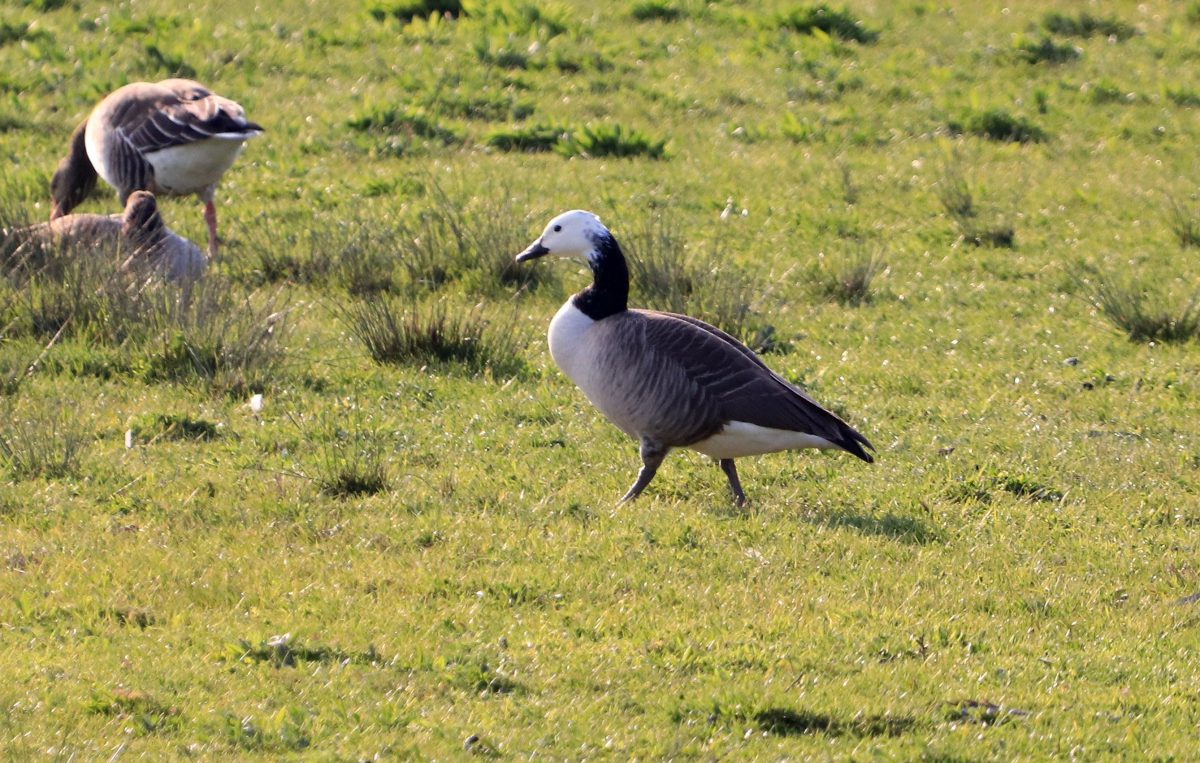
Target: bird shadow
point(890, 525)
point(785, 721)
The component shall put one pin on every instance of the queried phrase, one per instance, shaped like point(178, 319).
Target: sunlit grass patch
point(475, 100)
point(525, 17)
point(1107, 91)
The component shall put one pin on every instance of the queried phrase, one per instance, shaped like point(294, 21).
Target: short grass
point(423, 559)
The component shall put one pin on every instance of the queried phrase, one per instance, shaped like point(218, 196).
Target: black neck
point(609, 292)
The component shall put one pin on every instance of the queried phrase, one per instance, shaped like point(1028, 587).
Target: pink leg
point(210, 217)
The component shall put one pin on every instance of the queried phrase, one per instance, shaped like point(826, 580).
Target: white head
point(575, 235)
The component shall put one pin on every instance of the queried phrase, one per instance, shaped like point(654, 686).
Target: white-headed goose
point(668, 380)
point(144, 242)
point(170, 137)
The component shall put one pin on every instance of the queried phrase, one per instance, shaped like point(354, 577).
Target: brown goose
point(171, 137)
point(668, 380)
point(139, 234)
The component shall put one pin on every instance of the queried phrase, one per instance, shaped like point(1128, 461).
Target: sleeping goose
point(670, 381)
point(139, 234)
point(171, 137)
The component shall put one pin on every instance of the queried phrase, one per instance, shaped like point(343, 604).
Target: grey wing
point(744, 388)
point(176, 122)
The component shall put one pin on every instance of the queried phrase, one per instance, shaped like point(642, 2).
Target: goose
point(139, 234)
point(669, 380)
point(171, 137)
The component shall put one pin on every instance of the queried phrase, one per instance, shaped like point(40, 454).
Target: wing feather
point(739, 385)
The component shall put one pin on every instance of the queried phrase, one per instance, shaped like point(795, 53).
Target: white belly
point(739, 439)
point(193, 167)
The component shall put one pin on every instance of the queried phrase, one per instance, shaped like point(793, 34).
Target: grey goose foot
point(652, 457)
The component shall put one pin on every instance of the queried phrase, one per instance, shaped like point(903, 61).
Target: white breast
point(568, 338)
point(195, 166)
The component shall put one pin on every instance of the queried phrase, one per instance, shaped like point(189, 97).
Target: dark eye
point(557, 228)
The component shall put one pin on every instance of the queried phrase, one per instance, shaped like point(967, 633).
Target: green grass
point(422, 559)
point(1139, 312)
point(1086, 25)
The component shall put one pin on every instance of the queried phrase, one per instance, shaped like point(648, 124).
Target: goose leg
point(735, 484)
point(210, 217)
point(652, 457)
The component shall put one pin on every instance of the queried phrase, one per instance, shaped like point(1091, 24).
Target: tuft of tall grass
point(352, 458)
point(1085, 24)
point(710, 287)
point(450, 238)
point(407, 10)
point(849, 280)
point(402, 332)
point(833, 22)
point(525, 19)
point(173, 426)
point(1183, 96)
point(407, 123)
point(358, 255)
point(611, 140)
point(531, 139)
point(999, 125)
point(228, 342)
point(475, 238)
point(1137, 311)
point(957, 198)
point(1184, 222)
point(656, 10)
point(45, 441)
point(196, 332)
point(1045, 50)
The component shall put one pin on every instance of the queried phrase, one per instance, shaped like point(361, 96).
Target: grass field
point(970, 229)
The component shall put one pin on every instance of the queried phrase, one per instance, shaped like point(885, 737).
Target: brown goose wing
point(162, 118)
point(742, 386)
